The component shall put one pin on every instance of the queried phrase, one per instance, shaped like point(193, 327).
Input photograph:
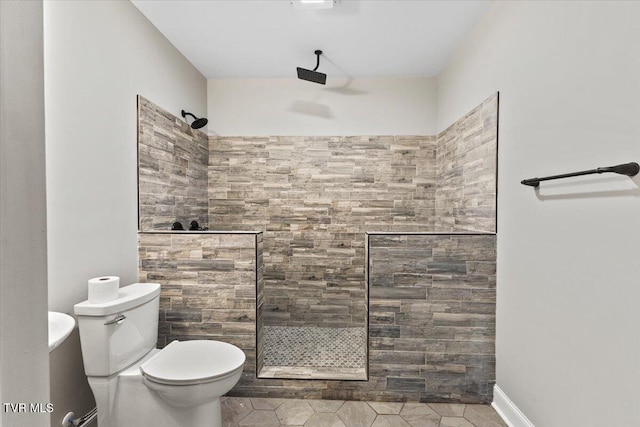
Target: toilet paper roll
point(103, 289)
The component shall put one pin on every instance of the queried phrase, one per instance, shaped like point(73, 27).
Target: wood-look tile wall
point(432, 320)
point(314, 198)
point(466, 159)
point(208, 286)
point(432, 315)
point(172, 170)
point(432, 298)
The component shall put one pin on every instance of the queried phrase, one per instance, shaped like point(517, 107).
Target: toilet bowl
point(134, 383)
point(191, 373)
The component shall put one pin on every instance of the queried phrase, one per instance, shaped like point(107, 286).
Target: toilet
point(136, 384)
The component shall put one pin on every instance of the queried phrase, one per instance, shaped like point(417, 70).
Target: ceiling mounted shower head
point(313, 75)
point(197, 122)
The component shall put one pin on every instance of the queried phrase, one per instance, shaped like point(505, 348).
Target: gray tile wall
point(172, 170)
point(314, 197)
point(432, 299)
point(208, 286)
point(432, 320)
point(432, 315)
point(466, 159)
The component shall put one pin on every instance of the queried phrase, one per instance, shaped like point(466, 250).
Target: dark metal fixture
point(197, 122)
point(313, 75)
point(194, 226)
point(628, 169)
point(177, 226)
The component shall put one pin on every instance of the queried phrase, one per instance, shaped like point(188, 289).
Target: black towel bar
point(629, 169)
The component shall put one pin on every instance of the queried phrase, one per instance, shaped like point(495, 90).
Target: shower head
point(313, 75)
point(197, 122)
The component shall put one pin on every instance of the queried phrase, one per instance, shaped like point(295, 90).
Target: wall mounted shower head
point(197, 122)
point(313, 75)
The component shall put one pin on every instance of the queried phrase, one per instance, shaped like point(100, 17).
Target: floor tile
point(390, 421)
point(420, 415)
point(455, 422)
point(483, 416)
point(268, 412)
point(386, 408)
point(236, 408)
point(324, 420)
point(326, 405)
point(448, 409)
point(266, 403)
point(260, 419)
point(314, 346)
point(356, 414)
point(411, 408)
point(294, 412)
point(418, 421)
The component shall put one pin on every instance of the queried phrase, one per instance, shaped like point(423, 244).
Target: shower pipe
point(628, 169)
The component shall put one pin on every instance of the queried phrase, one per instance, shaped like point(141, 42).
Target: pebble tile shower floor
point(314, 347)
point(247, 412)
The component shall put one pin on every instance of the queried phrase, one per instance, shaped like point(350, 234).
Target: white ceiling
point(359, 38)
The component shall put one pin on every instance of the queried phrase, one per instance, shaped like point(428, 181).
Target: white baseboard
point(508, 410)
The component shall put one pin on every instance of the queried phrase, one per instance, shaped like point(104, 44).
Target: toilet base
point(124, 401)
point(146, 409)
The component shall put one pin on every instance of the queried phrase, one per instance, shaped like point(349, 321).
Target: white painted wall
point(381, 106)
point(24, 358)
point(98, 57)
point(568, 315)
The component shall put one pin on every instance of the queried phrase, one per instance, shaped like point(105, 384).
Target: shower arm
point(185, 114)
point(318, 53)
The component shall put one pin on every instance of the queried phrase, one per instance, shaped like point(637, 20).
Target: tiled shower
point(359, 267)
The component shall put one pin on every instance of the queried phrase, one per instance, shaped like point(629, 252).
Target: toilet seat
point(193, 362)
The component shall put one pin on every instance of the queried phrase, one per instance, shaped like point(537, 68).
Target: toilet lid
point(193, 362)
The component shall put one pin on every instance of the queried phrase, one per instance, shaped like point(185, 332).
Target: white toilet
point(134, 383)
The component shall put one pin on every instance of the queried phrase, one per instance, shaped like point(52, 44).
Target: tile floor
point(243, 411)
point(312, 346)
point(314, 352)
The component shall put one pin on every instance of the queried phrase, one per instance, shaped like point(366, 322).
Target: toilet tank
point(117, 333)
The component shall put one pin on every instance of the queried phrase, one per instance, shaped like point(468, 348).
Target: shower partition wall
point(315, 199)
point(432, 315)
